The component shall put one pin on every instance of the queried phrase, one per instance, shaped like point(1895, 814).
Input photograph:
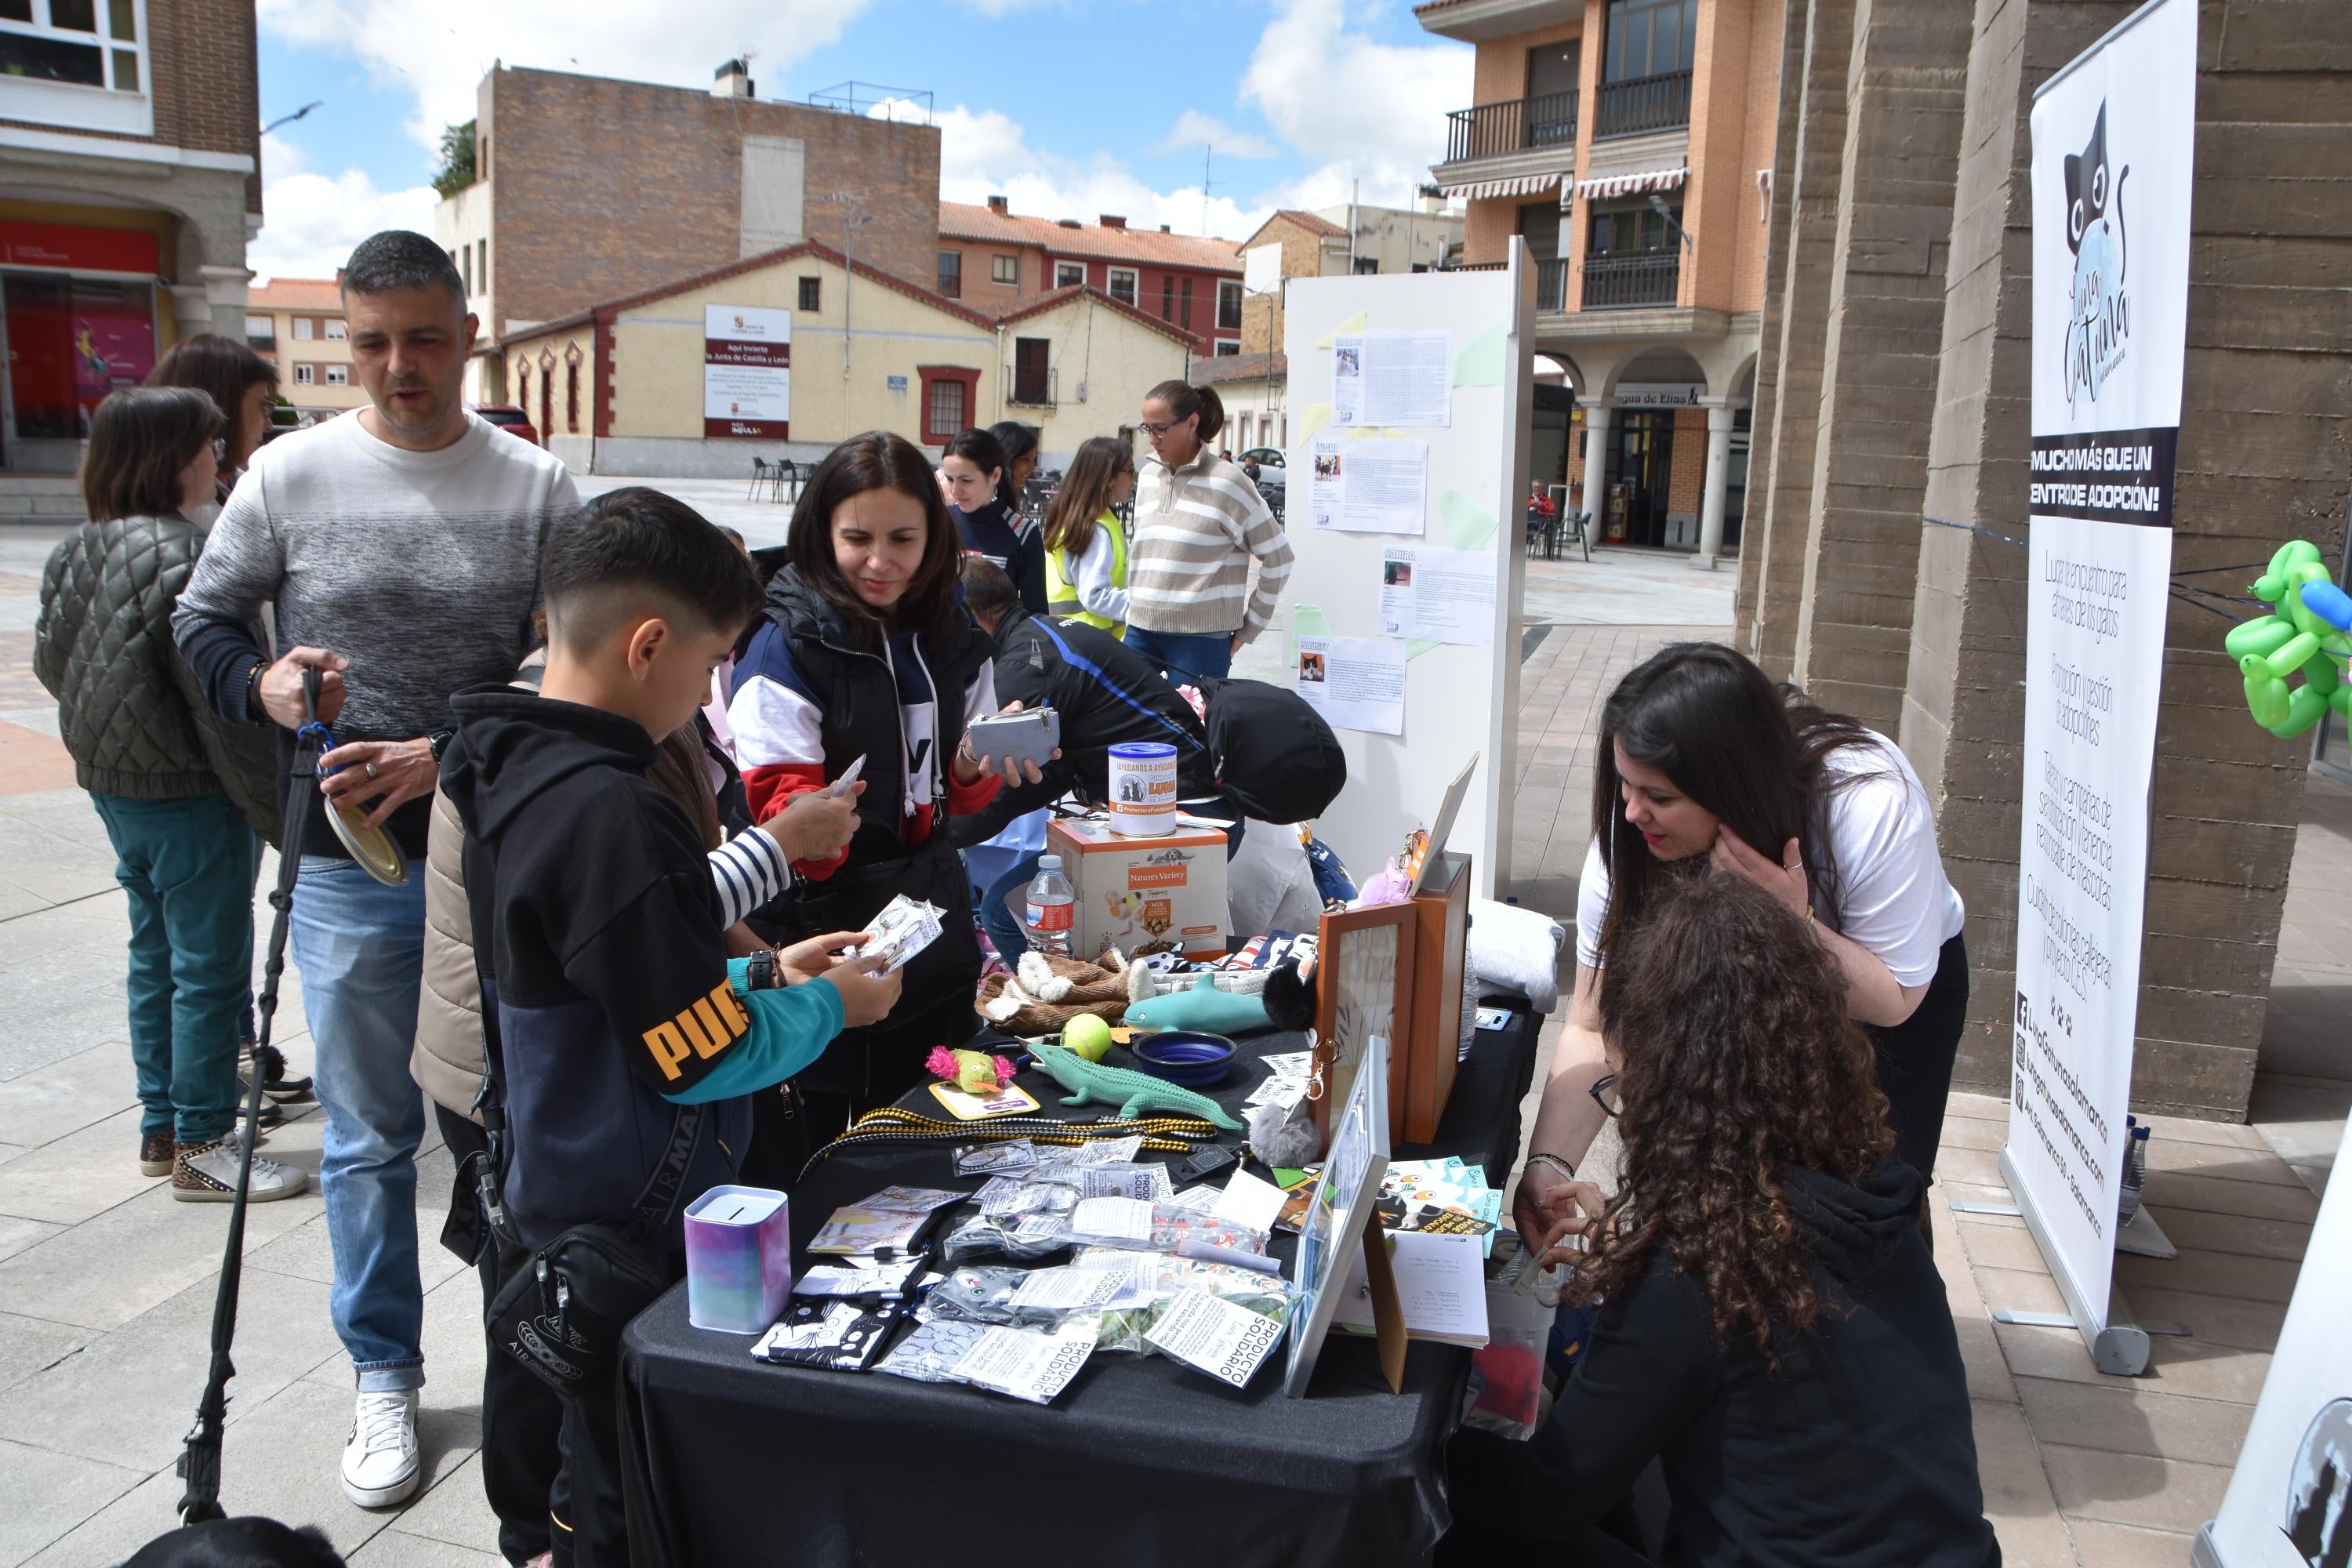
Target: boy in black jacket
point(593, 904)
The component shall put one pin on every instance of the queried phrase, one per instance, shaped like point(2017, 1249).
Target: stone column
point(1596, 460)
point(1718, 473)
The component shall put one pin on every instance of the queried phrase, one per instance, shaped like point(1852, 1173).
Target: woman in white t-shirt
point(1704, 764)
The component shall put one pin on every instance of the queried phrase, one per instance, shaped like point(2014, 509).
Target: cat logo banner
point(2113, 134)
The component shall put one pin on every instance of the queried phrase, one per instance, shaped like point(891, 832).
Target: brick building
point(588, 188)
point(993, 259)
point(1894, 387)
point(296, 323)
point(1336, 241)
point(1629, 144)
point(129, 182)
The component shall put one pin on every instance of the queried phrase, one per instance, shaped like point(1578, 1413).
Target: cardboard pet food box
point(1144, 894)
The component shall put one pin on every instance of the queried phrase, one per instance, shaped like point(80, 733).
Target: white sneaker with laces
point(379, 1462)
point(206, 1174)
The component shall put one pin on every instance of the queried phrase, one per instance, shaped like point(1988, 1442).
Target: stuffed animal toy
point(1044, 994)
point(1223, 1002)
point(975, 1072)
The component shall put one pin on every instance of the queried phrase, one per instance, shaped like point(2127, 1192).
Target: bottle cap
point(1049, 862)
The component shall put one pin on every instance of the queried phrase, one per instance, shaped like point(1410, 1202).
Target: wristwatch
point(762, 972)
point(440, 742)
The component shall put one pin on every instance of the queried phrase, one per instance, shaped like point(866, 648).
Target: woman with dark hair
point(240, 382)
point(1771, 1329)
point(1018, 442)
point(974, 470)
point(159, 766)
point(867, 654)
point(1086, 544)
point(1197, 522)
point(1704, 764)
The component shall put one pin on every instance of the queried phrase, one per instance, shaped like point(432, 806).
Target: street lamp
point(1658, 205)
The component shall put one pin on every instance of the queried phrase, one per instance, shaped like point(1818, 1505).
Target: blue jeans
point(361, 946)
point(1185, 653)
point(998, 922)
point(187, 866)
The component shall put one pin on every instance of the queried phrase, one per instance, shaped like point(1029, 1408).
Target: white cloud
point(1194, 129)
point(986, 153)
point(1362, 110)
point(440, 50)
point(310, 221)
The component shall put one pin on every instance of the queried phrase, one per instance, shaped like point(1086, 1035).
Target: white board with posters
point(2290, 1500)
point(1454, 349)
point(2113, 137)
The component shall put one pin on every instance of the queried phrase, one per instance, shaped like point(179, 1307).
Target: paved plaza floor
point(105, 1284)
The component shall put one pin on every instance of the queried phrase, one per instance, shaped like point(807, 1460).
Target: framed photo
point(1338, 1211)
point(1363, 988)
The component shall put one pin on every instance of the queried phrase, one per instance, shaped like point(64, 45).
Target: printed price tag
point(1026, 1364)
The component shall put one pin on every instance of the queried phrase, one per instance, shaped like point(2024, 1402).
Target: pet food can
point(1143, 789)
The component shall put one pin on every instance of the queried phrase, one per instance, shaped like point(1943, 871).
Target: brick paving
point(106, 1285)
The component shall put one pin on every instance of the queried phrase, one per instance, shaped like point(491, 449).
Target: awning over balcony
point(1524, 185)
point(1609, 185)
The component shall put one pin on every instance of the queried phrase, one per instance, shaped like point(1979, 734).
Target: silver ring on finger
point(369, 767)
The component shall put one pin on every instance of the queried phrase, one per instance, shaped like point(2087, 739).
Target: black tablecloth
point(1142, 1461)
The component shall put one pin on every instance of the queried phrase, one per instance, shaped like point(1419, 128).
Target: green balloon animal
point(2305, 631)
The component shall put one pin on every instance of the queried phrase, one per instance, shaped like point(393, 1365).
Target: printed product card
point(857, 1276)
point(1290, 1064)
point(1148, 1183)
point(854, 1230)
point(1006, 1102)
point(1028, 1365)
point(1068, 1289)
point(1214, 1335)
point(1105, 1151)
point(1249, 1203)
point(1134, 1276)
point(1113, 1221)
point(911, 1200)
point(903, 929)
point(996, 1159)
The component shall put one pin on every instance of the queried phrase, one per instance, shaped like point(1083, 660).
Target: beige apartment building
point(296, 323)
point(1629, 144)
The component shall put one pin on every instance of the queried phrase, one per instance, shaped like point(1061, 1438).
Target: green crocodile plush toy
point(1088, 1083)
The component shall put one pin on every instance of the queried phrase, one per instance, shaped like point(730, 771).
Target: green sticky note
point(1306, 621)
point(1415, 647)
point(1480, 363)
point(1287, 1177)
point(1467, 523)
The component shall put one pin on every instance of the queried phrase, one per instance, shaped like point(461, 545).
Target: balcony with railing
point(1631, 282)
point(1498, 129)
point(1035, 387)
point(1642, 104)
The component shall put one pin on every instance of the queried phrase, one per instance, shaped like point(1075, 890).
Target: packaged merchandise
point(839, 1335)
point(862, 1276)
point(1211, 1334)
point(1023, 1362)
point(904, 926)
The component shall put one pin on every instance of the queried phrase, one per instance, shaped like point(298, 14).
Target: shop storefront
point(78, 319)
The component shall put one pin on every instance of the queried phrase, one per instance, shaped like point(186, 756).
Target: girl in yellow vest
point(1086, 548)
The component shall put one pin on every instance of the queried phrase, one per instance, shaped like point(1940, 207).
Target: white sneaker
point(206, 1174)
point(380, 1465)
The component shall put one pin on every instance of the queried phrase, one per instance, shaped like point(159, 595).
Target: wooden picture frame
point(1421, 1079)
point(1363, 987)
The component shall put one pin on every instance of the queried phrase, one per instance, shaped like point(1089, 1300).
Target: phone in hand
point(1028, 736)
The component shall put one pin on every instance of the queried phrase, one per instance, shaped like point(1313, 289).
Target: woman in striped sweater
point(1197, 522)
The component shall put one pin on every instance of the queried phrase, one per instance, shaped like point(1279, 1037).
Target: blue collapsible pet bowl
point(1185, 1058)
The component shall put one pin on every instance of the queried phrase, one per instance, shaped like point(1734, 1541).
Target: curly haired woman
point(1773, 1331)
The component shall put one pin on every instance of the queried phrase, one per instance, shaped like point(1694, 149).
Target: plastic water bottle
point(1053, 908)
point(2135, 1168)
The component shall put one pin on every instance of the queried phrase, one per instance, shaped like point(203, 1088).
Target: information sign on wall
point(747, 377)
point(2112, 139)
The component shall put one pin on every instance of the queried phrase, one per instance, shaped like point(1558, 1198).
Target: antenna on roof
point(1208, 152)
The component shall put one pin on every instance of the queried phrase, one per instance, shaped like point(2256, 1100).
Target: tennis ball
point(1089, 1036)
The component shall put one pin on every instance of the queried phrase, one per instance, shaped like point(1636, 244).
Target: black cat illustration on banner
point(2098, 321)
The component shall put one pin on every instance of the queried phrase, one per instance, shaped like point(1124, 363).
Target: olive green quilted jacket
point(129, 708)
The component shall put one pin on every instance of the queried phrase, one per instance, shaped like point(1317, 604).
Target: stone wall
point(1895, 386)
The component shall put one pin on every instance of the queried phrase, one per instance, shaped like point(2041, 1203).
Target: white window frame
point(338, 375)
point(72, 104)
point(305, 329)
point(1233, 284)
point(261, 326)
point(305, 375)
point(996, 268)
point(1134, 276)
point(338, 331)
point(1227, 346)
point(1061, 274)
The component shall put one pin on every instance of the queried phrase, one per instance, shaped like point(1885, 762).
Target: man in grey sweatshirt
point(400, 549)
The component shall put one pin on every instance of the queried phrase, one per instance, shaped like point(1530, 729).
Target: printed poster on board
point(747, 377)
point(2112, 145)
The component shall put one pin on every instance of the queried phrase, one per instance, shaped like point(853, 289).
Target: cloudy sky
point(1072, 108)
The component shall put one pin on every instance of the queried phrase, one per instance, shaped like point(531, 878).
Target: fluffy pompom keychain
point(975, 1072)
point(1290, 995)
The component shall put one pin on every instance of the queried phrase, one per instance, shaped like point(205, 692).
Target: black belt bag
point(563, 1313)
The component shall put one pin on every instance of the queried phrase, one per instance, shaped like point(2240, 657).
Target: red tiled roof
point(1272, 366)
point(752, 264)
point(1037, 304)
point(1092, 241)
point(1424, 10)
point(318, 294)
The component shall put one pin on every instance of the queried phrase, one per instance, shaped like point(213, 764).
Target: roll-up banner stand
point(2113, 137)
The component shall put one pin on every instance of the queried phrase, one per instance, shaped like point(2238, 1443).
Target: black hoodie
point(1857, 1453)
point(603, 943)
